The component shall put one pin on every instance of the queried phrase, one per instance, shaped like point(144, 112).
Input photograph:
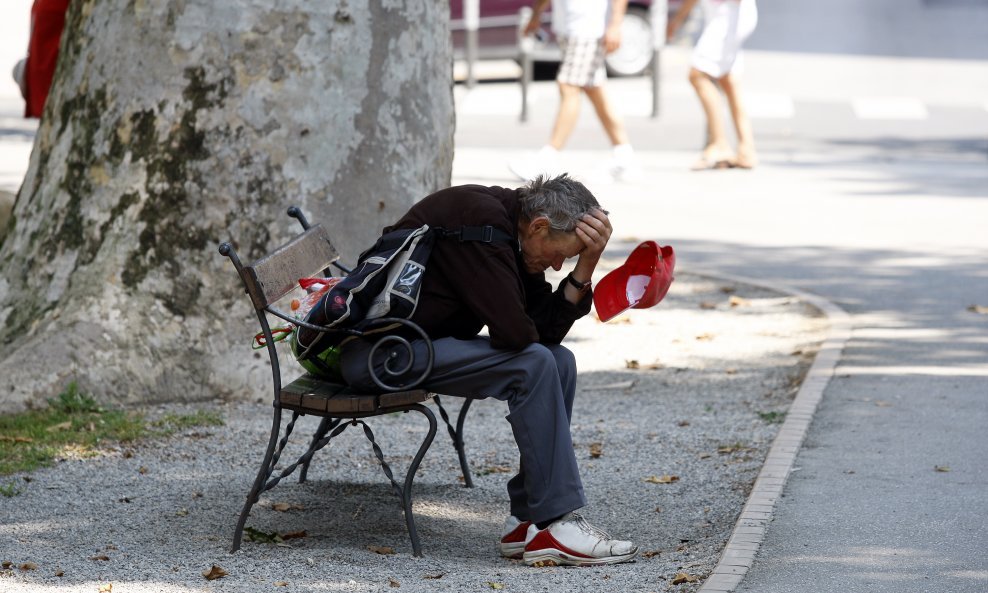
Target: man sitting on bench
point(501, 285)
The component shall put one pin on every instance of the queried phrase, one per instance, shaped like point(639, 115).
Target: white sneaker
point(574, 542)
point(544, 162)
point(624, 165)
point(515, 536)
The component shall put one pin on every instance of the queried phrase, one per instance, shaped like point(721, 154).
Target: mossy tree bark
point(174, 125)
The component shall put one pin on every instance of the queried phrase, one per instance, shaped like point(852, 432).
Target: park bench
point(268, 281)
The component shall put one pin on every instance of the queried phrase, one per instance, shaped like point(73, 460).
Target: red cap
point(641, 282)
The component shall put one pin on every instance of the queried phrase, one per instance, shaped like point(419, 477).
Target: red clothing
point(470, 284)
point(47, 22)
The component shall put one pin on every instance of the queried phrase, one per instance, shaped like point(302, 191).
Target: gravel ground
point(694, 388)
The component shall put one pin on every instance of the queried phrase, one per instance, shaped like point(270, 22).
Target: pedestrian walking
point(586, 30)
point(716, 66)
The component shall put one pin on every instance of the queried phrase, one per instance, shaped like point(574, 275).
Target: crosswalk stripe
point(889, 108)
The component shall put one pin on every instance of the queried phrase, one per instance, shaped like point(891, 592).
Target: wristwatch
point(581, 286)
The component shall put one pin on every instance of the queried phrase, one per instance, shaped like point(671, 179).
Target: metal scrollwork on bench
point(399, 355)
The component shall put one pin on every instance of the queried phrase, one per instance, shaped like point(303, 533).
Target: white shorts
point(728, 23)
point(583, 62)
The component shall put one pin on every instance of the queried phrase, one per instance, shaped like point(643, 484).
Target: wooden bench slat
point(315, 395)
point(278, 273)
point(403, 398)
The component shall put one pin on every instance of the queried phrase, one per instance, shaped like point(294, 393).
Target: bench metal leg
point(262, 475)
point(457, 435)
point(264, 481)
point(326, 424)
point(405, 493)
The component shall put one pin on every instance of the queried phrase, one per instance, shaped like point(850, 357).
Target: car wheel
point(635, 53)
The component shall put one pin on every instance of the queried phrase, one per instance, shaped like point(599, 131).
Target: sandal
point(704, 163)
point(745, 160)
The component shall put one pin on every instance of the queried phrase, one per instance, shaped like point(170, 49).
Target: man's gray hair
point(562, 199)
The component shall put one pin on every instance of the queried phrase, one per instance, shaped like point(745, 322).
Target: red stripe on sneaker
point(517, 534)
point(543, 540)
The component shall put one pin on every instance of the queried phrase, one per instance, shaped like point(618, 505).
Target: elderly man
point(501, 285)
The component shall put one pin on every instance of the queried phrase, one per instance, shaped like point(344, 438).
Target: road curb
point(749, 531)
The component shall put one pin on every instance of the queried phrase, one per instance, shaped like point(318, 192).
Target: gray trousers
point(539, 384)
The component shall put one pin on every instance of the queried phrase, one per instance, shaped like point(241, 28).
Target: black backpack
point(385, 283)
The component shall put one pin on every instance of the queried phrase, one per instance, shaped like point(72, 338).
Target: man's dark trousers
point(539, 384)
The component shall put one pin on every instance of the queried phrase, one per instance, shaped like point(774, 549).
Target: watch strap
point(581, 286)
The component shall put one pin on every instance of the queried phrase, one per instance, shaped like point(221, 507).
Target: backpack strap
point(482, 234)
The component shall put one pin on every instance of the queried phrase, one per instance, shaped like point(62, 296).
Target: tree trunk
point(175, 125)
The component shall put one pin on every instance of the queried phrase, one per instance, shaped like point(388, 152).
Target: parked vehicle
point(497, 34)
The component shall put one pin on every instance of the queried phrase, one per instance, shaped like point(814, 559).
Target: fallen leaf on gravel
point(181, 512)
point(727, 289)
point(651, 553)
point(142, 470)
point(435, 576)
point(631, 364)
point(708, 305)
point(737, 301)
point(494, 585)
point(663, 479)
point(683, 423)
point(682, 577)
point(107, 588)
point(941, 468)
point(256, 535)
point(282, 507)
point(393, 582)
point(101, 557)
point(60, 426)
point(705, 337)
point(60, 573)
point(383, 550)
point(705, 455)
point(656, 366)
point(596, 450)
point(294, 535)
point(214, 573)
point(978, 309)
point(728, 449)
point(731, 371)
point(6, 564)
point(28, 566)
point(281, 583)
point(495, 469)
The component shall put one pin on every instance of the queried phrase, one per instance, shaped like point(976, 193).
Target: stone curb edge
point(749, 531)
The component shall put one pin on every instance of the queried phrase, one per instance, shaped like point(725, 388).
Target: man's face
point(543, 249)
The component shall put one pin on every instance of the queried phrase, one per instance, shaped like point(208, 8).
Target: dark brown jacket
point(470, 284)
